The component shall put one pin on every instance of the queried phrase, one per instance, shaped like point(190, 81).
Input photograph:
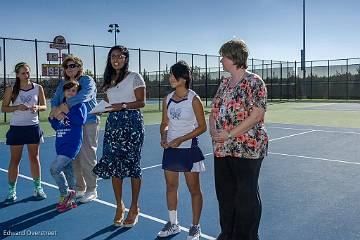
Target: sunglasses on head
point(73, 65)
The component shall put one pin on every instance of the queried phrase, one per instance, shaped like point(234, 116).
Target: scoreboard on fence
point(52, 70)
point(55, 70)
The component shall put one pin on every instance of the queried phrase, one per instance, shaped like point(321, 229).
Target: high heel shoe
point(119, 222)
point(136, 219)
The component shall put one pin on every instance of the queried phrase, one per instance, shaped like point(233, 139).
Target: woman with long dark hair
point(124, 131)
point(24, 100)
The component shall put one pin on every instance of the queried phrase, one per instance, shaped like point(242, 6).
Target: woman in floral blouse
point(240, 144)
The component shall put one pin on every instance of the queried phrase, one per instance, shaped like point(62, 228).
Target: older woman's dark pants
point(237, 190)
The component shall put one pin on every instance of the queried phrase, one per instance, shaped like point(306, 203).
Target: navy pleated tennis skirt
point(22, 135)
point(182, 159)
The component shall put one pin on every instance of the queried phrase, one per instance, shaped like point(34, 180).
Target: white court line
point(154, 166)
point(308, 157)
point(274, 139)
point(114, 206)
point(316, 130)
point(316, 158)
point(292, 135)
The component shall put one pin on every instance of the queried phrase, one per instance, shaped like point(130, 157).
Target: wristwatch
point(124, 105)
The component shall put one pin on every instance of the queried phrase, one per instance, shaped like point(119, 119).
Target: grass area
point(294, 113)
point(280, 112)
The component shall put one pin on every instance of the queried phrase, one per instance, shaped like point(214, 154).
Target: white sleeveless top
point(29, 97)
point(123, 92)
point(182, 119)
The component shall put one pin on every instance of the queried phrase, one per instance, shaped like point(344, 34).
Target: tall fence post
point(176, 57)
point(4, 51)
point(37, 66)
point(271, 80)
point(219, 68)
point(69, 52)
point(287, 80)
point(281, 82)
point(311, 79)
point(252, 64)
point(347, 79)
point(94, 60)
point(206, 81)
point(36, 61)
point(328, 78)
point(139, 61)
point(192, 71)
point(159, 91)
point(295, 95)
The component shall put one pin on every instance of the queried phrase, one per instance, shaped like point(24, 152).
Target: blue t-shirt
point(69, 132)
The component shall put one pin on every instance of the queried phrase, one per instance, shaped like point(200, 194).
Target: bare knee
point(171, 187)
point(195, 190)
point(14, 162)
point(34, 159)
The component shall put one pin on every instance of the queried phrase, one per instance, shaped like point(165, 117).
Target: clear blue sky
point(272, 28)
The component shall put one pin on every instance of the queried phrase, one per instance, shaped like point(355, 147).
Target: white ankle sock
point(173, 217)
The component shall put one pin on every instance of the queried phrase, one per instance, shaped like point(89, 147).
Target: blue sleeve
point(87, 92)
point(54, 123)
point(77, 115)
point(56, 100)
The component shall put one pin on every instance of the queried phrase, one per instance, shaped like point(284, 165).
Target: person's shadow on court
point(115, 232)
point(29, 219)
point(25, 200)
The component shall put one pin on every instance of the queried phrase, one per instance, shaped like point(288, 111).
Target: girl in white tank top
point(182, 122)
point(27, 99)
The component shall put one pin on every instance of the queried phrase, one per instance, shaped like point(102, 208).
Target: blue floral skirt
point(123, 140)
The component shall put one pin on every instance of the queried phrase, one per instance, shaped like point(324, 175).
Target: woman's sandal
point(118, 222)
point(135, 219)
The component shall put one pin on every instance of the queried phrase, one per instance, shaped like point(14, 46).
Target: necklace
point(234, 82)
point(182, 96)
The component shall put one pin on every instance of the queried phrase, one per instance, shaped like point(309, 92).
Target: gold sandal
point(136, 219)
point(118, 222)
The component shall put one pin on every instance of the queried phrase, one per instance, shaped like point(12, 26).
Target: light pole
point(114, 27)
point(303, 61)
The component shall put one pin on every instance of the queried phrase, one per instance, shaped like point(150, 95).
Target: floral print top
point(231, 105)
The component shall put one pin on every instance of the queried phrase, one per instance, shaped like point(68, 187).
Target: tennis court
point(309, 184)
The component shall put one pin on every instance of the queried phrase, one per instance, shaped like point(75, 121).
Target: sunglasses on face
point(73, 65)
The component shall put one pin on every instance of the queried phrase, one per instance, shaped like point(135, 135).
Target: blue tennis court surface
point(309, 184)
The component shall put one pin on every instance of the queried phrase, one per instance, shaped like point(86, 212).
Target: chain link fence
point(324, 79)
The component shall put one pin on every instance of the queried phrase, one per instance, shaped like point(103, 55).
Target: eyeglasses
point(73, 65)
point(121, 57)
